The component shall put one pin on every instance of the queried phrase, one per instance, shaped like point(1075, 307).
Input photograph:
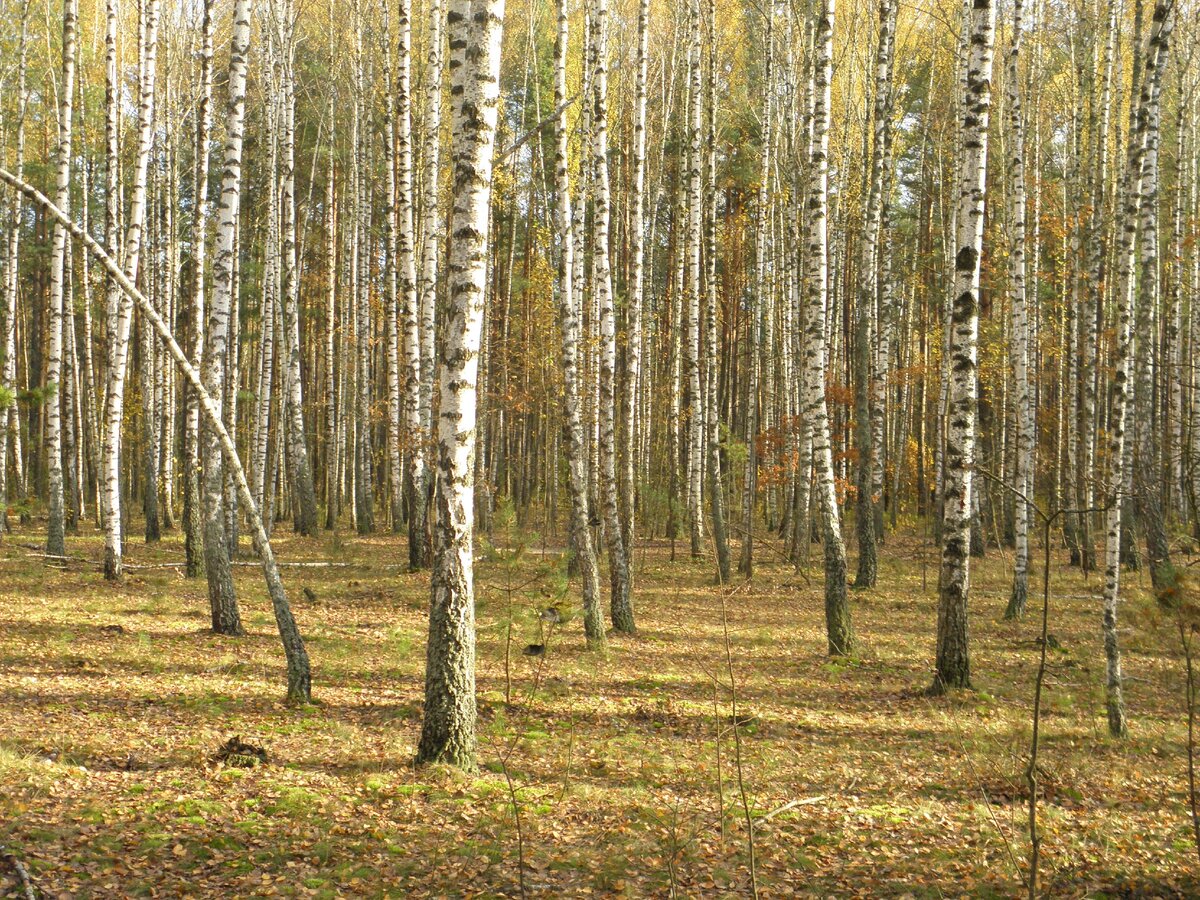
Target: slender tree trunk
point(221, 595)
point(621, 605)
point(837, 607)
point(953, 647)
point(364, 489)
point(1149, 468)
point(568, 317)
point(1127, 300)
point(193, 529)
point(332, 482)
point(55, 543)
point(1093, 309)
point(691, 356)
point(432, 237)
point(868, 292)
point(1019, 351)
point(9, 415)
point(633, 327)
point(410, 310)
point(301, 469)
point(122, 320)
point(716, 485)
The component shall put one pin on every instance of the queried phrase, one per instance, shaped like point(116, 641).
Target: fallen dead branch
point(22, 873)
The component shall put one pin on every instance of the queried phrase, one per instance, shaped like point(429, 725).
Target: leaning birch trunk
point(448, 729)
point(55, 538)
point(299, 675)
point(192, 514)
point(568, 317)
point(633, 322)
point(837, 608)
point(9, 421)
point(1155, 60)
point(301, 468)
point(621, 604)
point(953, 650)
point(410, 312)
point(1019, 352)
point(119, 335)
point(868, 292)
point(716, 486)
point(222, 598)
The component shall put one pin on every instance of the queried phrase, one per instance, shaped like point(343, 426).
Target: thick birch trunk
point(448, 729)
point(953, 667)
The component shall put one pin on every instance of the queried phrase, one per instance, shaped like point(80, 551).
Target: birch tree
point(9, 415)
point(691, 356)
point(633, 322)
point(568, 318)
point(716, 486)
point(222, 599)
point(192, 473)
point(839, 630)
point(121, 313)
point(953, 663)
point(448, 729)
point(1154, 60)
point(621, 605)
point(55, 538)
point(868, 293)
point(410, 311)
point(1020, 322)
point(301, 469)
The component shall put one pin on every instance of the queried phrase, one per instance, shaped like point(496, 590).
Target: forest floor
point(113, 699)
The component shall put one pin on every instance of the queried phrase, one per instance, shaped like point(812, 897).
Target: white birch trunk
point(55, 538)
point(301, 468)
point(953, 667)
point(837, 609)
point(870, 382)
point(1019, 350)
point(119, 335)
point(568, 317)
point(9, 414)
point(621, 604)
point(448, 730)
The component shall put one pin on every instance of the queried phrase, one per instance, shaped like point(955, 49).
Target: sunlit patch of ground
point(623, 763)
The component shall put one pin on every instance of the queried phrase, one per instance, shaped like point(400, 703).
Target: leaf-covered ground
point(623, 764)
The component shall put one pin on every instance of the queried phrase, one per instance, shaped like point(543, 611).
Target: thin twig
point(737, 746)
